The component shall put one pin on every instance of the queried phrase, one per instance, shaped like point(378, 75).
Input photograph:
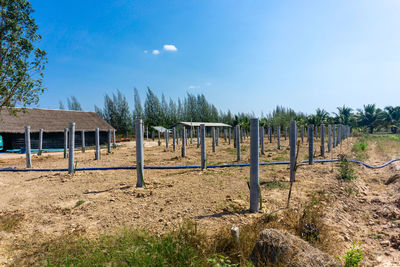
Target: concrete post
point(159, 138)
point(191, 135)
point(139, 153)
point(97, 141)
point(334, 135)
point(109, 141)
point(234, 137)
point(71, 158)
point(147, 132)
point(254, 166)
point(183, 142)
point(225, 135)
point(152, 135)
point(28, 146)
point(174, 138)
point(302, 134)
point(270, 135)
point(114, 138)
point(329, 138)
point(198, 136)
point(339, 134)
point(213, 139)
point(40, 142)
point(292, 142)
point(310, 144)
point(65, 142)
point(83, 141)
point(237, 134)
point(166, 138)
point(278, 135)
point(217, 137)
point(203, 147)
point(261, 140)
point(241, 134)
point(229, 140)
point(322, 140)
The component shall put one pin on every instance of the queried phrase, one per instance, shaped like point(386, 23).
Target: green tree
point(61, 105)
point(370, 117)
point(344, 115)
point(138, 109)
point(21, 61)
point(393, 118)
point(152, 109)
point(73, 103)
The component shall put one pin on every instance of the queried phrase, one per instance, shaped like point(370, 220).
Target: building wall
point(50, 140)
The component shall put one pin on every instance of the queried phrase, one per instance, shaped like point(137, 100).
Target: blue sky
point(246, 56)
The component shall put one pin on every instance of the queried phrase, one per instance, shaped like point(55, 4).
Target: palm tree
point(344, 114)
point(393, 117)
point(371, 117)
point(321, 116)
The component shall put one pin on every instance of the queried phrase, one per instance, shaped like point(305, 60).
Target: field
point(38, 207)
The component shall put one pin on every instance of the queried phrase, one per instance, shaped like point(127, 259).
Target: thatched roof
point(50, 120)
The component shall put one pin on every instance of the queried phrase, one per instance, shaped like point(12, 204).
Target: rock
point(275, 247)
point(385, 243)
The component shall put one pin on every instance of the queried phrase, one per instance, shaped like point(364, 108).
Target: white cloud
point(194, 87)
point(145, 51)
point(170, 47)
point(156, 52)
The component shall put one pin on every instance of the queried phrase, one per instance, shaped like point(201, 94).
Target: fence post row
point(65, 142)
point(203, 147)
point(183, 142)
point(139, 153)
point(292, 142)
point(329, 138)
point(28, 146)
point(254, 166)
point(40, 142)
point(237, 142)
point(71, 158)
point(310, 144)
point(97, 141)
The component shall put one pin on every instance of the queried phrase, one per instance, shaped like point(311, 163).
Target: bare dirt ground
point(363, 210)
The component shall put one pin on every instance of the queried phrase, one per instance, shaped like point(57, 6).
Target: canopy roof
point(50, 120)
point(160, 129)
point(207, 124)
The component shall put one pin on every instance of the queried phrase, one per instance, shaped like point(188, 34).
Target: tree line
point(157, 111)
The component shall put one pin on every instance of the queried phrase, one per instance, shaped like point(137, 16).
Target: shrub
point(346, 171)
point(354, 255)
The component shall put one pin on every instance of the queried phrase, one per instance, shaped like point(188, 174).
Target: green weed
point(354, 255)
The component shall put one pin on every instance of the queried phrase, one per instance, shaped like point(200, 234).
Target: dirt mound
point(280, 247)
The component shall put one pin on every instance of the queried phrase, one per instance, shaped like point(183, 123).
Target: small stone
point(385, 243)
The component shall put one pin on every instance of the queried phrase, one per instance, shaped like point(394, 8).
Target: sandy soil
point(369, 212)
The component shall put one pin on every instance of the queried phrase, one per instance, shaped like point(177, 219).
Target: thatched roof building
point(53, 122)
point(50, 120)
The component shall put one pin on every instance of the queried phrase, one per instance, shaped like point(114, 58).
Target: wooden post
point(254, 166)
point(292, 142)
point(40, 142)
point(203, 147)
point(97, 141)
point(28, 146)
point(139, 153)
point(310, 144)
point(237, 134)
point(109, 141)
point(65, 142)
point(71, 158)
point(183, 142)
